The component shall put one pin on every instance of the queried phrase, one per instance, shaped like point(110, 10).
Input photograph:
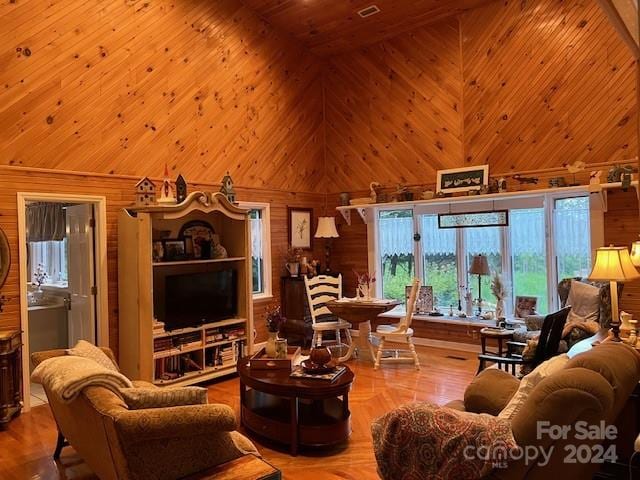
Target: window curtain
point(45, 222)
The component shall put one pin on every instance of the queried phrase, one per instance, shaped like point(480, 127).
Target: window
point(259, 217)
point(51, 255)
point(439, 260)
point(396, 252)
point(572, 237)
point(485, 241)
point(529, 255)
point(547, 239)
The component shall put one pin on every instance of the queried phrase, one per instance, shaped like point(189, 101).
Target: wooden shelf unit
point(139, 292)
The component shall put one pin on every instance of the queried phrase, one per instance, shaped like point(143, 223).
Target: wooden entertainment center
point(196, 353)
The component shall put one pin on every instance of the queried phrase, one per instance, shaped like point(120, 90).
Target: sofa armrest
point(174, 422)
point(490, 391)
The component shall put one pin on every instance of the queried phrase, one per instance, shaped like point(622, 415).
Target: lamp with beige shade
point(613, 265)
point(327, 230)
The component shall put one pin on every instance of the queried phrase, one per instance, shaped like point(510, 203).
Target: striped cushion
point(138, 398)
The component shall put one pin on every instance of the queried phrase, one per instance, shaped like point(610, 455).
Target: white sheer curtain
point(52, 256)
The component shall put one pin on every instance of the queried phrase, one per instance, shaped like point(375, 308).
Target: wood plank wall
point(518, 85)
point(119, 193)
point(125, 87)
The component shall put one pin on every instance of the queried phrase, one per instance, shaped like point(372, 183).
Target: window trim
point(546, 201)
point(267, 293)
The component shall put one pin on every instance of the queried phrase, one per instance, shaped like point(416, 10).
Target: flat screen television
point(192, 299)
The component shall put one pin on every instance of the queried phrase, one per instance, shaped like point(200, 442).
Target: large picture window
point(547, 239)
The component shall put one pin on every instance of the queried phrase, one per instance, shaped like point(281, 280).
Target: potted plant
point(365, 284)
point(292, 259)
point(274, 321)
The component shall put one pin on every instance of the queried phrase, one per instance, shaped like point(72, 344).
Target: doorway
point(63, 276)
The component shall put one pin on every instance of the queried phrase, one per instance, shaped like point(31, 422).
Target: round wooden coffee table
point(295, 411)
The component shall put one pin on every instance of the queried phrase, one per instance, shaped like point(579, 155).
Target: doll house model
point(227, 188)
point(145, 192)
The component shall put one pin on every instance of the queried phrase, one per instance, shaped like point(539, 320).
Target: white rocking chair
point(320, 290)
point(399, 333)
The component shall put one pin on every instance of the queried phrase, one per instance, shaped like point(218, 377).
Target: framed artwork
point(495, 218)
point(462, 179)
point(174, 249)
point(198, 236)
point(300, 226)
point(424, 299)
point(525, 306)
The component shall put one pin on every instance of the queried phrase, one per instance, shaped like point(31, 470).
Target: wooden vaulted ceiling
point(330, 27)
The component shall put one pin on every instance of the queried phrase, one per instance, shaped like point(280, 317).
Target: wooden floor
point(26, 446)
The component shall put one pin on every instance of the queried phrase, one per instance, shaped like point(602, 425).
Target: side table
point(10, 376)
point(502, 335)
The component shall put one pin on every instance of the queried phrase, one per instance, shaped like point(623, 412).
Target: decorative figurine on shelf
point(594, 177)
point(626, 181)
point(227, 188)
point(468, 303)
point(523, 180)
point(167, 195)
point(616, 173)
point(145, 193)
point(181, 189)
point(218, 250)
point(499, 290)
point(502, 185)
point(573, 168)
point(557, 182)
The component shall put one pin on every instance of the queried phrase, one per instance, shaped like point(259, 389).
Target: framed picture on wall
point(525, 306)
point(462, 179)
point(300, 227)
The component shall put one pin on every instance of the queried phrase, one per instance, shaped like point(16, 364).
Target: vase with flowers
point(365, 284)
point(40, 277)
point(274, 322)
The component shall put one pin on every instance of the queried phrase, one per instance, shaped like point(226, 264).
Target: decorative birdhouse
point(145, 193)
point(167, 195)
point(181, 189)
point(227, 188)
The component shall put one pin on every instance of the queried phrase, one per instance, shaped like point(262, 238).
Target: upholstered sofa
point(592, 387)
point(155, 443)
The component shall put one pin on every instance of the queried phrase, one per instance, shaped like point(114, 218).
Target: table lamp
point(327, 230)
point(635, 253)
point(613, 265)
point(479, 266)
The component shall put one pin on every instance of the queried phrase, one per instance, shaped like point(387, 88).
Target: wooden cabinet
point(209, 347)
point(10, 375)
point(294, 298)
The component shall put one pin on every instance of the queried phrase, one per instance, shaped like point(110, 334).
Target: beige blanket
point(67, 376)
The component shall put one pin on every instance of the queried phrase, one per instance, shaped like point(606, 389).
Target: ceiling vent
point(368, 11)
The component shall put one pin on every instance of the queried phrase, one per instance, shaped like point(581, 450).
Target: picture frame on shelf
point(463, 179)
point(525, 306)
point(300, 226)
point(424, 299)
point(174, 249)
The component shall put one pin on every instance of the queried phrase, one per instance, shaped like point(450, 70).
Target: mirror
point(5, 257)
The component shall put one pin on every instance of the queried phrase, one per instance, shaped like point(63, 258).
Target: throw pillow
point(90, 351)
point(422, 440)
point(584, 300)
point(529, 382)
point(139, 398)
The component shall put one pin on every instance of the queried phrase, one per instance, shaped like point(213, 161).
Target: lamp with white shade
point(613, 265)
point(327, 230)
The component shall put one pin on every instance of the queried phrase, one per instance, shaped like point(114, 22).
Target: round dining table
point(360, 312)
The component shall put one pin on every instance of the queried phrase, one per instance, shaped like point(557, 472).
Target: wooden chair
point(399, 333)
point(320, 290)
point(548, 343)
